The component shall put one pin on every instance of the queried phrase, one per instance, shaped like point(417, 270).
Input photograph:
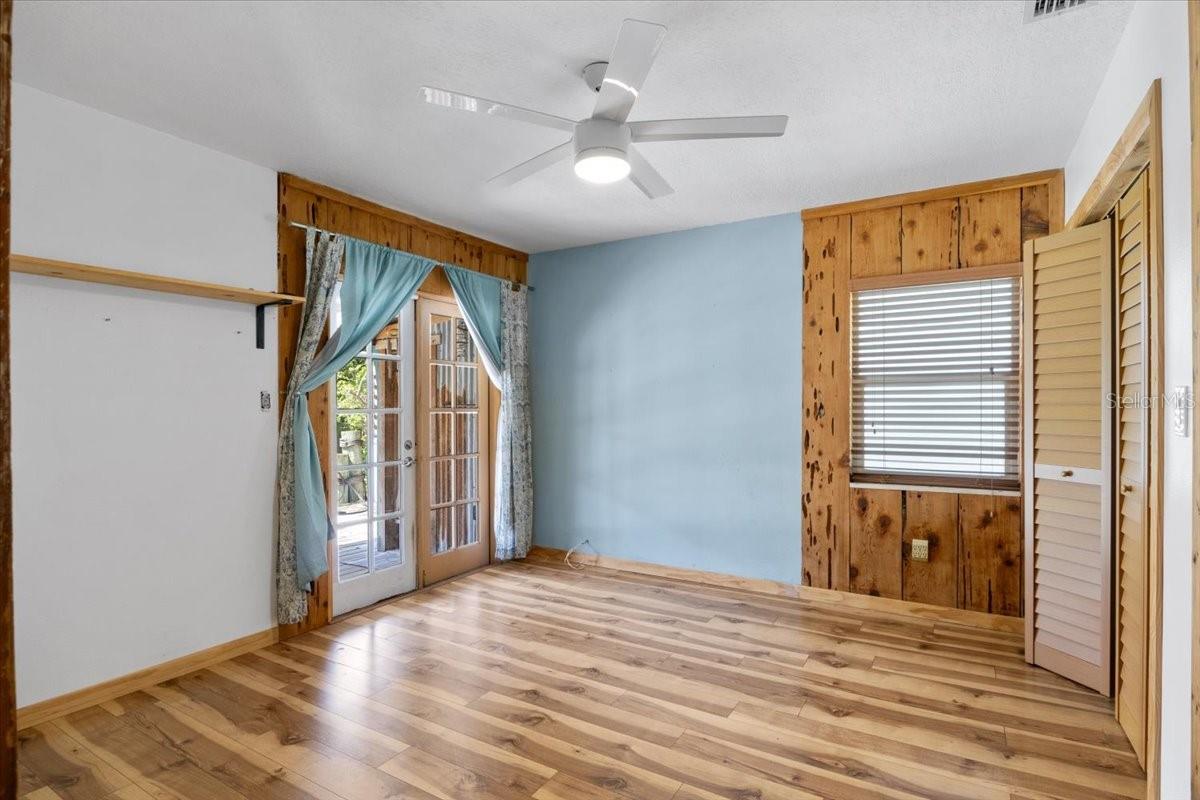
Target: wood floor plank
point(159, 768)
point(51, 759)
point(312, 758)
point(245, 771)
point(566, 787)
point(535, 680)
point(447, 780)
point(401, 706)
point(44, 793)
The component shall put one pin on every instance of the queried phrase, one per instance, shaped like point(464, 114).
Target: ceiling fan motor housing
point(593, 74)
point(596, 137)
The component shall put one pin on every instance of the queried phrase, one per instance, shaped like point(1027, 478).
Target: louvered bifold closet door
point(1067, 336)
point(1132, 423)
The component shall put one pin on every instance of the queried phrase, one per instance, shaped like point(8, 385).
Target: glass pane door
point(453, 411)
point(374, 460)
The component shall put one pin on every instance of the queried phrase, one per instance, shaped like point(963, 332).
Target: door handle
point(408, 461)
point(1126, 488)
point(1066, 473)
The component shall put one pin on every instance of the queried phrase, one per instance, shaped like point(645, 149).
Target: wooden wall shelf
point(32, 265)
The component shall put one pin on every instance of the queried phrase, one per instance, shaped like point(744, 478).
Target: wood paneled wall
point(858, 539)
point(311, 203)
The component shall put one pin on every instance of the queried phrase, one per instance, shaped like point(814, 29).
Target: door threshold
point(385, 601)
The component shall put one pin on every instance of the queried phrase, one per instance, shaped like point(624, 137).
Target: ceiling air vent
point(1041, 9)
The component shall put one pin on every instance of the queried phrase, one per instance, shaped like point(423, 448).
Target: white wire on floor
point(571, 552)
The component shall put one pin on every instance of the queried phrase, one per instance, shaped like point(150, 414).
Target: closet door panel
point(1132, 511)
point(1067, 336)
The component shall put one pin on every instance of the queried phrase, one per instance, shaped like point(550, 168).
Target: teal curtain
point(498, 319)
point(479, 297)
point(377, 283)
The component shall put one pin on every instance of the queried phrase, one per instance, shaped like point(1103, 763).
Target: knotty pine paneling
point(975, 540)
point(930, 236)
point(826, 402)
point(990, 229)
point(875, 541)
point(875, 243)
point(932, 516)
point(1035, 212)
point(330, 209)
point(990, 541)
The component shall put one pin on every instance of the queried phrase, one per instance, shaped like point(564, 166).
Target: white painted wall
point(1155, 45)
point(142, 466)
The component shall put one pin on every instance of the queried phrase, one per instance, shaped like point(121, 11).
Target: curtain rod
point(302, 226)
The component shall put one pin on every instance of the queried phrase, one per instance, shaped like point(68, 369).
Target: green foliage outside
point(352, 393)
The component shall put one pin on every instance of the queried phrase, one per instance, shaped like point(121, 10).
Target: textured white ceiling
point(883, 97)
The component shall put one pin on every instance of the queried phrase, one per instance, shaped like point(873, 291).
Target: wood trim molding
point(902, 608)
point(1057, 190)
point(1130, 155)
point(1012, 270)
point(1053, 177)
point(37, 713)
point(1155, 438)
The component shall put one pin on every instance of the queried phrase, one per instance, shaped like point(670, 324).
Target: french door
point(453, 522)
point(373, 480)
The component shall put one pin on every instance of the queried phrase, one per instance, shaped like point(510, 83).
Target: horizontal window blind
point(936, 391)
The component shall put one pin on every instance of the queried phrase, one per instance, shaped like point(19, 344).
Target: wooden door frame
point(8, 678)
point(1140, 148)
point(487, 450)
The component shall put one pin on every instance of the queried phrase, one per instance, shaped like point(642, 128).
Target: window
point(935, 389)
point(370, 447)
point(454, 433)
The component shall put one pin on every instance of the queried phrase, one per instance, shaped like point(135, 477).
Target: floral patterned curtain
point(323, 258)
point(514, 450)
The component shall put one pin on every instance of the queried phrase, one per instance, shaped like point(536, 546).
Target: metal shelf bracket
point(260, 321)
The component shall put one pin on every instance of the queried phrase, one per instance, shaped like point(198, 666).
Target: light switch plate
point(1181, 411)
point(920, 549)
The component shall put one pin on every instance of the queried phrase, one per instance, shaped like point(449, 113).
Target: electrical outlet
point(920, 550)
point(264, 401)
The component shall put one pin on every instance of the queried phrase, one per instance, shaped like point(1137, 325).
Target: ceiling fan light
point(601, 165)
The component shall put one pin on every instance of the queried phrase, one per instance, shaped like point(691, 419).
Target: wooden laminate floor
point(534, 680)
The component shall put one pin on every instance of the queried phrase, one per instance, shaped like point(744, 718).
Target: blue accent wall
point(666, 397)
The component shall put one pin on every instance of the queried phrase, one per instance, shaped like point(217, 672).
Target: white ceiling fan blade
point(637, 45)
point(480, 105)
point(673, 130)
point(646, 177)
point(536, 164)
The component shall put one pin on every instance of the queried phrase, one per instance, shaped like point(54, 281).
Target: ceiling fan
point(602, 144)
